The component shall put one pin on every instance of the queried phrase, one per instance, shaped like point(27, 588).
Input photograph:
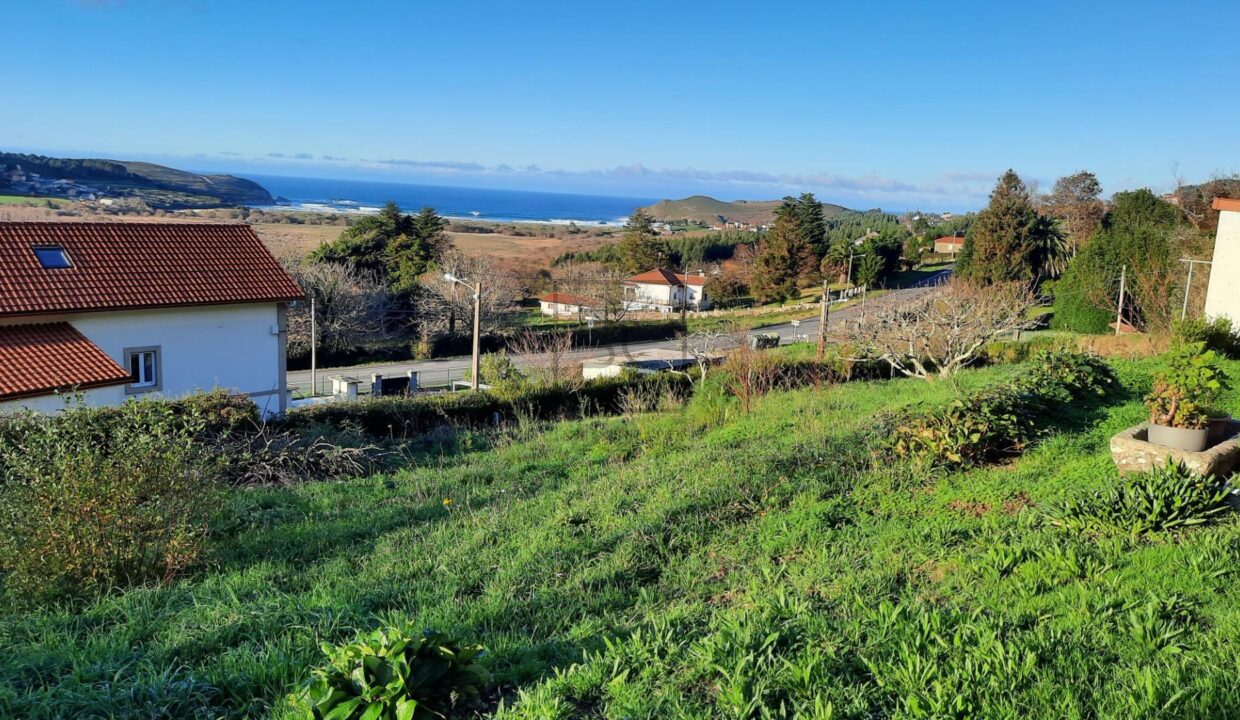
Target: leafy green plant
point(394, 674)
point(1191, 379)
point(1167, 498)
point(1218, 334)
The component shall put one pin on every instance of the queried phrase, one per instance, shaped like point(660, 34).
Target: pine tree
point(1001, 245)
point(413, 254)
point(640, 249)
point(785, 258)
point(806, 213)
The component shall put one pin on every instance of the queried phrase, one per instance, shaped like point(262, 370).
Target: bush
point(1003, 420)
point(1167, 498)
point(78, 516)
point(388, 417)
point(1218, 335)
point(1189, 381)
point(394, 674)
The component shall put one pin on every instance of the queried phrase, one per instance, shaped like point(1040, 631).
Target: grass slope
point(667, 567)
point(708, 210)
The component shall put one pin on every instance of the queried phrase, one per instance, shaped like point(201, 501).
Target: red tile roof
point(663, 277)
point(1222, 203)
point(40, 359)
point(564, 299)
point(127, 266)
point(951, 240)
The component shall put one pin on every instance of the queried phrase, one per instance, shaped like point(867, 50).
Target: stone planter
point(1190, 439)
point(1218, 429)
point(1133, 452)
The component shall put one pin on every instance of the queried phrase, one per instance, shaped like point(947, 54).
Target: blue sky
point(899, 104)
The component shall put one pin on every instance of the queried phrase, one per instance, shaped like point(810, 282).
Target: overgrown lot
point(682, 565)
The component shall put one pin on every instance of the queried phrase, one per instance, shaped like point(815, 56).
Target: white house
point(1223, 293)
point(109, 311)
point(558, 303)
point(664, 291)
point(948, 245)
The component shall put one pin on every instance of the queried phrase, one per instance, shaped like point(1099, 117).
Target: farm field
point(692, 563)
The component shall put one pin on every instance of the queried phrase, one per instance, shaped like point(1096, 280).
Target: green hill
point(709, 211)
point(157, 185)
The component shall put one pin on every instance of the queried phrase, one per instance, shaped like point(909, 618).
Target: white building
point(1223, 293)
point(664, 291)
point(109, 311)
point(558, 303)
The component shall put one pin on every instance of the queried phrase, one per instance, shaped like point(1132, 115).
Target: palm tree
point(1050, 252)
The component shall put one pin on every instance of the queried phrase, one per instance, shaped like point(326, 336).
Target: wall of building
point(1223, 294)
point(235, 347)
point(96, 397)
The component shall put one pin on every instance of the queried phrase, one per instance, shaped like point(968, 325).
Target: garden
point(772, 540)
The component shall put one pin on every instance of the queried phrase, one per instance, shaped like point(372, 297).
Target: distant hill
point(158, 186)
point(709, 211)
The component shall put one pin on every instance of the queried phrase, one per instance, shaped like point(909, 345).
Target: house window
point(52, 258)
point(145, 369)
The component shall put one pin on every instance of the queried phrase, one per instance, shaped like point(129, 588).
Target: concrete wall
point(1223, 293)
point(96, 397)
point(235, 347)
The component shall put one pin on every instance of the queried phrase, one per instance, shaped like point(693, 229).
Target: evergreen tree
point(640, 249)
point(412, 255)
point(1002, 245)
point(785, 258)
point(806, 213)
point(364, 244)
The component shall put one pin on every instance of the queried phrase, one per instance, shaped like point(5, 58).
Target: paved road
point(439, 372)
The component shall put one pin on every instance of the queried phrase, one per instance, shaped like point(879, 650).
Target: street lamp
point(477, 288)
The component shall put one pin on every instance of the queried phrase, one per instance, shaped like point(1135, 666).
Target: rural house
point(948, 245)
point(664, 291)
point(558, 303)
point(117, 310)
point(1223, 292)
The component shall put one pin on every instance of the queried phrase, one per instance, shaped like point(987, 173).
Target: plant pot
point(1179, 438)
point(1218, 429)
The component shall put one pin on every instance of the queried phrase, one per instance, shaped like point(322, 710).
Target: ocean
point(322, 195)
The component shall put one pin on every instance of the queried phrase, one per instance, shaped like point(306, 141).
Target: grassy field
point(685, 565)
point(23, 200)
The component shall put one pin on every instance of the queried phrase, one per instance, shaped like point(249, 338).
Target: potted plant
point(1217, 423)
point(1190, 380)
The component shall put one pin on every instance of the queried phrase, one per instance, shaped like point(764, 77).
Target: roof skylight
point(52, 258)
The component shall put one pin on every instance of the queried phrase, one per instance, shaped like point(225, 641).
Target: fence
point(433, 380)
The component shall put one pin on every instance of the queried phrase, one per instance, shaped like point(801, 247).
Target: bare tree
point(707, 347)
point(446, 307)
point(351, 308)
point(544, 356)
point(602, 288)
point(941, 331)
point(1076, 200)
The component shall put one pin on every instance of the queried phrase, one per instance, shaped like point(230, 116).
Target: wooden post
point(314, 341)
point(1119, 312)
point(477, 364)
point(823, 315)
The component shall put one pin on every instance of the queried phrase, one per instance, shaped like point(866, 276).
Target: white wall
point(227, 346)
point(1223, 294)
point(95, 397)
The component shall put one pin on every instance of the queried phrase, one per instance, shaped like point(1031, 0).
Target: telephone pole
point(1119, 312)
point(314, 342)
point(823, 314)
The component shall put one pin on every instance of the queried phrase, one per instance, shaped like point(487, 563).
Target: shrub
point(1190, 380)
point(1166, 498)
point(1218, 335)
point(394, 674)
point(77, 516)
point(1003, 420)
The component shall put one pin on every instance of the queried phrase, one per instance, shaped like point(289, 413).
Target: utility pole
point(1189, 285)
point(1119, 312)
point(477, 363)
point(314, 342)
point(823, 315)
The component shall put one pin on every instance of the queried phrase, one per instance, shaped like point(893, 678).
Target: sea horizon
point(458, 203)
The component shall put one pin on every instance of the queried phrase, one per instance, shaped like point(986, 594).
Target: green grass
point(24, 199)
point(679, 566)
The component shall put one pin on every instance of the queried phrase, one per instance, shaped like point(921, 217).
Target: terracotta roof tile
point(564, 299)
point(663, 277)
point(42, 358)
point(125, 266)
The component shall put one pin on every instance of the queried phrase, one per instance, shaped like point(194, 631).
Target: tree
point(806, 214)
point(390, 245)
point(1141, 236)
point(412, 255)
point(784, 259)
point(1076, 200)
point(1002, 245)
point(351, 307)
point(444, 307)
point(941, 331)
point(640, 249)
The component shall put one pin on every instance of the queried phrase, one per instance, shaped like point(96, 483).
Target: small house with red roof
point(104, 312)
point(948, 245)
point(558, 303)
point(666, 291)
